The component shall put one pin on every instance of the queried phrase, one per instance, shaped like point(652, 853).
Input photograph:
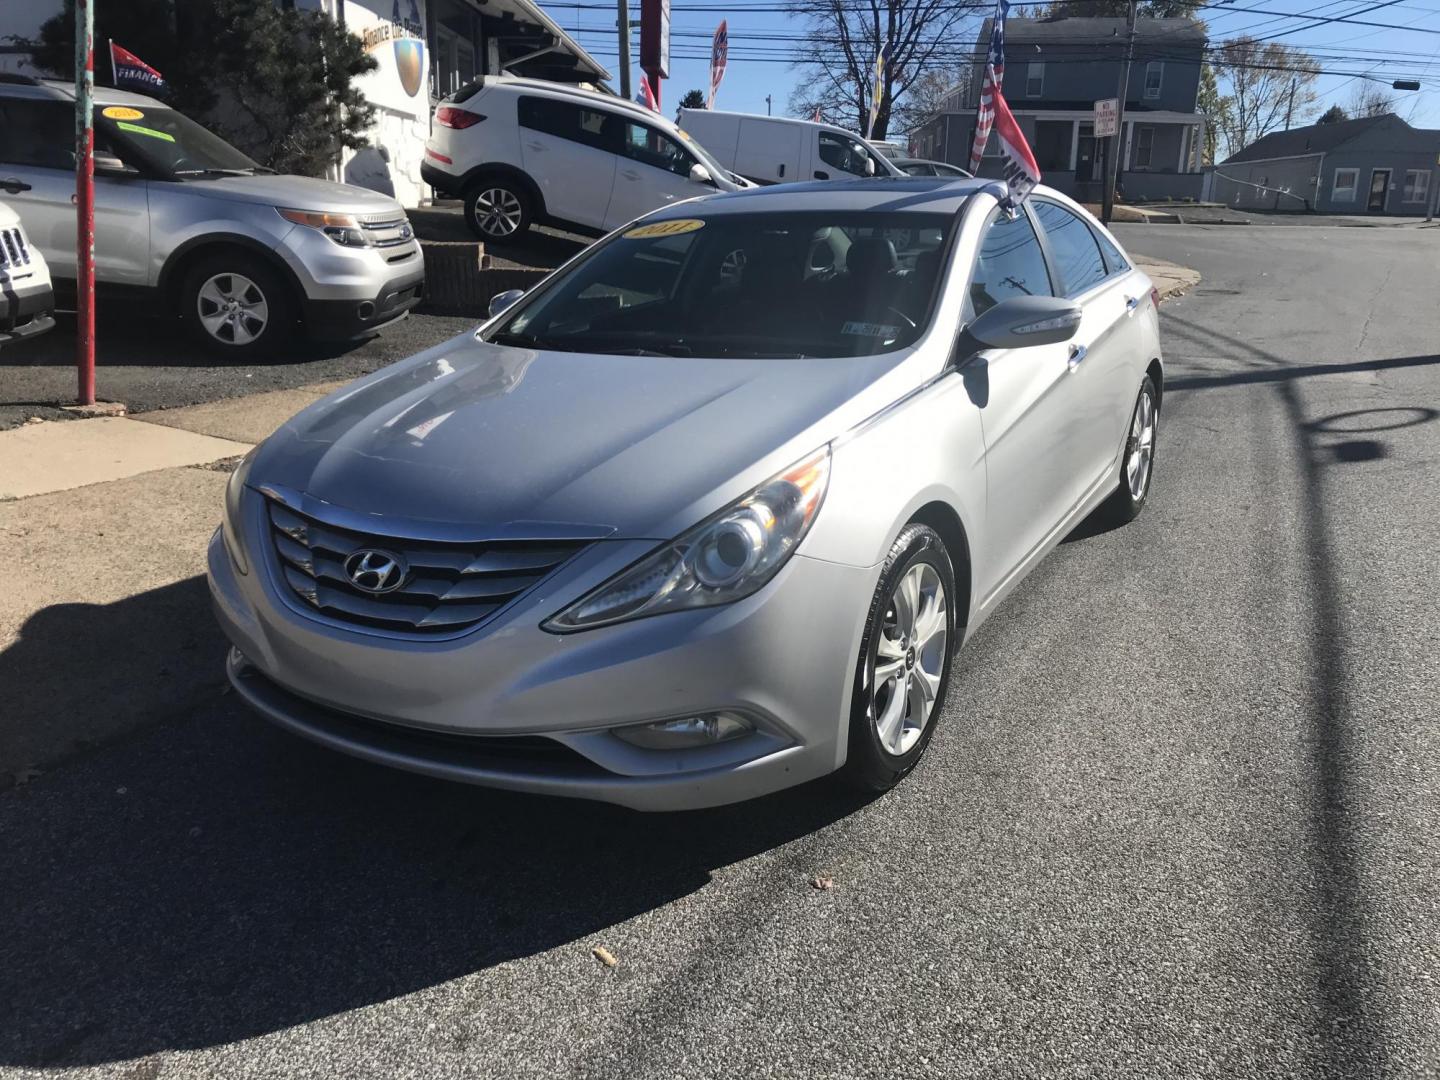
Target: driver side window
point(1010, 264)
point(843, 154)
point(650, 147)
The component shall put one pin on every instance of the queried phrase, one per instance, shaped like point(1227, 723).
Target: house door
point(1087, 156)
point(1379, 189)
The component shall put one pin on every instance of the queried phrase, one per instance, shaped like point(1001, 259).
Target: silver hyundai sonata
point(707, 512)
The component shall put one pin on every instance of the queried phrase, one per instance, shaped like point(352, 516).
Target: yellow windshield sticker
point(664, 228)
point(122, 112)
point(150, 132)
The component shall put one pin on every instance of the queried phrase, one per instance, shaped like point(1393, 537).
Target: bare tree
point(932, 91)
point(1268, 83)
point(1370, 99)
point(842, 39)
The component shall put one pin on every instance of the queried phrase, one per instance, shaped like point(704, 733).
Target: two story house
point(1055, 71)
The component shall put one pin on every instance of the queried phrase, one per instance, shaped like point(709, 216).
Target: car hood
point(298, 193)
point(502, 439)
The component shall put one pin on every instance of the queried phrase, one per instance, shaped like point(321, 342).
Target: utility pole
point(1116, 162)
point(767, 104)
point(622, 23)
point(1290, 108)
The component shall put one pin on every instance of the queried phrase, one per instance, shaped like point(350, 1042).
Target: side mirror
point(501, 301)
point(869, 166)
point(700, 175)
point(1021, 322)
point(110, 163)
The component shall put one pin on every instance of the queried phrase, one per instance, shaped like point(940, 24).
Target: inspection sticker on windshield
point(163, 136)
point(869, 329)
point(122, 112)
point(664, 228)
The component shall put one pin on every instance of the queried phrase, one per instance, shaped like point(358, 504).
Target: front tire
point(497, 210)
point(236, 306)
point(903, 671)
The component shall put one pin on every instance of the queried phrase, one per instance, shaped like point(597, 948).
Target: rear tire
point(903, 672)
point(497, 210)
point(237, 306)
point(1137, 462)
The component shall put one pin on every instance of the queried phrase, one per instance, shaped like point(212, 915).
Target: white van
point(780, 150)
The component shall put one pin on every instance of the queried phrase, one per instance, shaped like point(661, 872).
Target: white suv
point(26, 298)
point(521, 151)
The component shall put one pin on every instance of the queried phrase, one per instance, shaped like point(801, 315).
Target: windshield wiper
point(577, 343)
point(217, 172)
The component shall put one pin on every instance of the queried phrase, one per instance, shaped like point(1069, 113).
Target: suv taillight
point(459, 119)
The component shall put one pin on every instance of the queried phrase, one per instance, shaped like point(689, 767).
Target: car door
point(570, 150)
point(1025, 407)
point(37, 150)
point(1103, 362)
point(654, 170)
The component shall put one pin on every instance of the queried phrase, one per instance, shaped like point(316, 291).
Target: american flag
point(719, 55)
point(994, 79)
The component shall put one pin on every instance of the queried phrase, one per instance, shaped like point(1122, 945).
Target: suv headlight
point(723, 559)
point(344, 229)
point(230, 524)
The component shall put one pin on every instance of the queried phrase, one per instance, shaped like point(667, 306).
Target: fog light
point(687, 732)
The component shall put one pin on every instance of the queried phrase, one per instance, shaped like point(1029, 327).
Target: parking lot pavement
point(150, 363)
point(1179, 818)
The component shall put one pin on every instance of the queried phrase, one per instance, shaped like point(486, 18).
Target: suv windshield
point(172, 143)
point(782, 285)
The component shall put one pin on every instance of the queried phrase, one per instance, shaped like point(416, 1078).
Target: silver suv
point(185, 220)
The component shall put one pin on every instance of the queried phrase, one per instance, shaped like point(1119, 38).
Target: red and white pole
point(85, 199)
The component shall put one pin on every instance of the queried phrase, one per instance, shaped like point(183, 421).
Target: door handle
point(820, 174)
point(630, 174)
point(1077, 353)
point(1131, 303)
point(13, 185)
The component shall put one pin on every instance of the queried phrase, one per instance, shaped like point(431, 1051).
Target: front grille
point(387, 230)
point(446, 587)
point(14, 252)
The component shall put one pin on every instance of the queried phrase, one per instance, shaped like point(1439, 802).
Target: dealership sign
point(405, 33)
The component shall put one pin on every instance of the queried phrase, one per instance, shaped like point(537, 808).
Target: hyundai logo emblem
point(374, 571)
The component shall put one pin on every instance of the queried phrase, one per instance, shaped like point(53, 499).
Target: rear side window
point(1115, 262)
point(37, 133)
point(1010, 264)
point(564, 119)
point(1077, 255)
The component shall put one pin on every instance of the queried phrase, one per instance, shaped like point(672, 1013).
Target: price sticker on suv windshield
point(664, 228)
point(122, 112)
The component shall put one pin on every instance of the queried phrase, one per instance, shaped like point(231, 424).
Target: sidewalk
point(105, 621)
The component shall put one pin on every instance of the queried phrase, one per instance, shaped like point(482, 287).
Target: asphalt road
point(1181, 817)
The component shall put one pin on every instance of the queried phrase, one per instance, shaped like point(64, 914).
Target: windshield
point(172, 143)
point(778, 285)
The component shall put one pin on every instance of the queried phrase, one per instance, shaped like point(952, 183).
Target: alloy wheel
point(1140, 448)
point(910, 658)
point(497, 212)
point(232, 309)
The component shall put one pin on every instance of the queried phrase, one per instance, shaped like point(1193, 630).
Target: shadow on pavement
point(1349, 1021)
point(80, 673)
point(217, 879)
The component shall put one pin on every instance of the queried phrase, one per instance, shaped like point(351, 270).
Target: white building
point(425, 49)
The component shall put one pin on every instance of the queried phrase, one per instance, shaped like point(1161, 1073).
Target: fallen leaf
point(604, 955)
point(822, 881)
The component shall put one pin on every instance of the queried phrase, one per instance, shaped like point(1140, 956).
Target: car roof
point(917, 194)
point(604, 101)
point(56, 90)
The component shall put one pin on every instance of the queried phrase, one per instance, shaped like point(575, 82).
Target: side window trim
point(1056, 274)
point(1052, 264)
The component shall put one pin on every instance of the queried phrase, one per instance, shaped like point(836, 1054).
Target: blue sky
point(1412, 50)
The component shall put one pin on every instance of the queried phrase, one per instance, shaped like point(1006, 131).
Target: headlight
point(344, 229)
point(231, 523)
point(721, 560)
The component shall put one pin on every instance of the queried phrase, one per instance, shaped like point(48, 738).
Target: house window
point(1344, 186)
point(1417, 185)
point(1144, 146)
point(1035, 79)
point(1154, 75)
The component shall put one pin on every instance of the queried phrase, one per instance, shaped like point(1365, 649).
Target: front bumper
point(512, 706)
point(346, 320)
point(25, 312)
